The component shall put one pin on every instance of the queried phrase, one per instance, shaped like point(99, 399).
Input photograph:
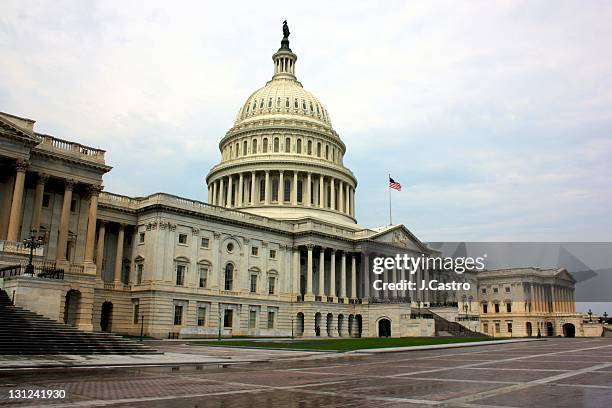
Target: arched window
point(237, 149)
point(244, 147)
point(264, 146)
point(262, 190)
point(270, 103)
point(276, 145)
point(261, 104)
point(248, 107)
point(274, 190)
point(296, 104)
point(319, 149)
point(230, 152)
point(304, 105)
point(298, 147)
point(254, 146)
point(309, 151)
point(326, 152)
point(278, 103)
point(287, 103)
point(229, 277)
point(287, 196)
point(287, 145)
point(254, 106)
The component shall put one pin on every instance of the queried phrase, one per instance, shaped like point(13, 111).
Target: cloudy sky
point(495, 116)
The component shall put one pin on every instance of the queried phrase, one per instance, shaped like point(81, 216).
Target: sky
point(495, 117)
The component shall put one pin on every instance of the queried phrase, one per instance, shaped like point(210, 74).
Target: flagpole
point(389, 187)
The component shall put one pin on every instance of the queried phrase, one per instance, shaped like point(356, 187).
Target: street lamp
point(605, 316)
point(219, 337)
point(291, 328)
point(590, 316)
point(141, 326)
point(465, 309)
point(32, 242)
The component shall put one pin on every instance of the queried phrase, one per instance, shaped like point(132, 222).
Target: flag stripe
point(394, 185)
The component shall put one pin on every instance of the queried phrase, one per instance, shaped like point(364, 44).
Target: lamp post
point(292, 329)
point(141, 326)
point(590, 313)
point(465, 309)
point(605, 316)
point(32, 242)
point(219, 337)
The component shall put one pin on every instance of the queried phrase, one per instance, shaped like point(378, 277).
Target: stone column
point(17, 201)
point(352, 202)
point(296, 270)
point(366, 275)
point(38, 199)
point(322, 273)
point(332, 192)
point(394, 280)
point(332, 274)
point(92, 217)
point(209, 195)
point(267, 187)
point(348, 200)
point(213, 197)
point(294, 196)
point(62, 238)
point(309, 190)
point(309, 272)
point(340, 196)
point(240, 193)
point(343, 276)
point(252, 193)
point(321, 193)
point(353, 276)
point(281, 188)
point(119, 254)
point(221, 194)
point(229, 196)
point(385, 279)
point(100, 249)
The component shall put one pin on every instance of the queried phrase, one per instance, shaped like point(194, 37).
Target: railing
point(403, 299)
point(16, 247)
point(54, 144)
point(444, 304)
point(37, 271)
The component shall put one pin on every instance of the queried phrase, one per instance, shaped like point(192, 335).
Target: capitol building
point(276, 250)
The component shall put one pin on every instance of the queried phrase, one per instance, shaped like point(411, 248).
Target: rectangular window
point(182, 239)
point(484, 291)
point(496, 307)
point(495, 290)
point(178, 315)
point(497, 328)
point(272, 254)
point(271, 284)
point(254, 251)
point(253, 283)
point(46, 200)
point(203, 277)
point(485, 308)
point(180, 275)
point(205, 242)
point(141, 238)
point(228, 317)
point(139, 269)
point(73, 206)
point(136, 312)
point(485, 327)
point(508, 307)
point(201, 316)
point(507, 289)
point(252, 319)
point(509, 327)
point(271, 320)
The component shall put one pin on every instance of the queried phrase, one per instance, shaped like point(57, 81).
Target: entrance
point(72, 305)
point(384, 328)
point(106, 317)
point(550, 331)
point(529, 329)
point(569, 330)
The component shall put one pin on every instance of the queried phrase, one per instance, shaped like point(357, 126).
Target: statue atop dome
point(286, 33)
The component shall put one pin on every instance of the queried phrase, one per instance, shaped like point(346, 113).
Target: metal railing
point(38, 271)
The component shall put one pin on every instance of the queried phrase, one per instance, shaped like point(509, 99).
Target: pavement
point(552, 373)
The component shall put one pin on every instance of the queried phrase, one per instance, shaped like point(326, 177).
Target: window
point(253, 284)
point(319, 149)
point(141, 238)
point(496, 307)
point(244, 147)
point(228, 317)
point(182, 239)
point(205, 242)
point(255, 251)
point(271, 284)
point(509, 324)
point(139, 270)
point(287, 192)
point(264, 148)
point(485, 327)
point(46, 200)
point(180, 275)
point(274, 190)
point(73, 205)
point(276, 143)
point(230, 247)
point(252, 319)
point(495, 290)
point(271, 320)
point(178, 315)
point(201, 316)
point(299, 146)
point(262, 190)
point(229, 276)
point(485, 308)
point(507, 289)
point(254, 146)
point(273, 254)
point(136, 312)
point(309, 151)
point(203, 277)
point(299, 191)
point(508, 307)
point(287, 142)
point(497, 328)
point(484, 291)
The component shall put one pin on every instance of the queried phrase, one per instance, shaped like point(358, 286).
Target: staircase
point(23, 332)
point(444, 328)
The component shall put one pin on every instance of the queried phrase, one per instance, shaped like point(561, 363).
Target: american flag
point(394, 184)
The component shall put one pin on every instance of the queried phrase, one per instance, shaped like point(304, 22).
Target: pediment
point(400, 236)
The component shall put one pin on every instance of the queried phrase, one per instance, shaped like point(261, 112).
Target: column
point(394, 280)
point(213, 187)
point(332, 192)
point(294, 196)
point(343, 277)
point(321, 194)
point(385, 279)
point(340, 196)
point(353, 276)
point(221, 194)
point(100, 249)
point(348, 200)
point(119, 254)
point(332, 273)
point(296, 270)
point(92, 217)
point(38, 199)
point(322, 273)
point(252, 193)
point(17, 201)
point(309, 189)
point(352, 191)
point(366, 275)
point(240, 188)
point(267, 186)
point(309, 271)
point(281, 188)
point(62, 238)
point(209, 195)
point(229, 197)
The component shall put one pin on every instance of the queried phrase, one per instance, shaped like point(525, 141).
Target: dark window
point(287, 192)
point(262, 190)
point(264, 148)
point(484, 291)
point(273, 253)
point(276, 144)
point(182, 238)
point(254, 150)
point(228, 317)
point(178, 315)
point(229, 276)
point(507, 289)
point(205, 242)
point(485, 309)
point(139, 269)
point(136, 313)
point(299, 191)
point(495, 290)
point(254, 251)
point(230, 247)
point(141, 237)
point(271, 284)
point(253, 283)
point(73, 205)
point(299, 146)
point(274, 190)
point(252, 319)
point(201, 316)
point(497, 308)
point(497, 328)
point(509, 327)
point(270, 320)
point(203, 277)
point(180, 275)
point(287, 145)
point(509, 307)
point(46, 200)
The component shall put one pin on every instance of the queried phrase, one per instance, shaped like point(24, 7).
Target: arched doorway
point(359, 321)
point(550, 330)
point(351, 323)
point(529, 329)
point(330, 320)
point(569, 330)
point(317, 324)
point(340, 325)
point(72, 305)
point(384, 328)
point(106, 317)
point(300, 324)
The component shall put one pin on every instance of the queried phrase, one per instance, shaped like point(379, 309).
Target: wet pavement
point(552, 373)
